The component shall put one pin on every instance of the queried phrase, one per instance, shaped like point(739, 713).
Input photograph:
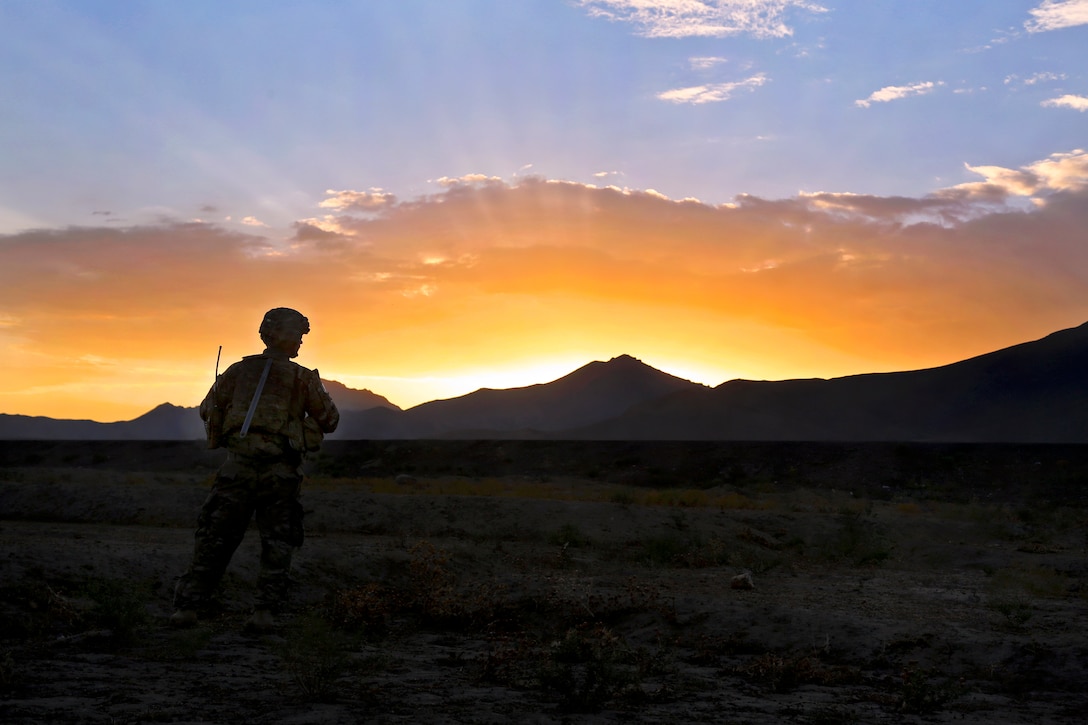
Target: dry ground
point(441, 599)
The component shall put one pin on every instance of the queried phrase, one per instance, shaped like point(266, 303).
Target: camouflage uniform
point(262, 472)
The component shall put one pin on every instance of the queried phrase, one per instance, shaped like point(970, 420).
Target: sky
point(491, 193)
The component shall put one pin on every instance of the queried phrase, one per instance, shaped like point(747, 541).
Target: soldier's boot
point(261, 621)
point(183, 618)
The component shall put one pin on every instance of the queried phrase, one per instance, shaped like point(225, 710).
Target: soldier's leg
point(220, 527)
point(279, 517)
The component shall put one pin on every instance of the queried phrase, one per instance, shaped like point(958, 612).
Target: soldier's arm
point(319, 405)
point(219, 394)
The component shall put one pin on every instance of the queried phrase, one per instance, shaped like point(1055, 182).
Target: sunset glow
point(450, 220)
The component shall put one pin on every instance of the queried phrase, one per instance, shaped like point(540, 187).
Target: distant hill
point(1035, 392)
point(165, 422)
point(593, 393)
point(349, 399)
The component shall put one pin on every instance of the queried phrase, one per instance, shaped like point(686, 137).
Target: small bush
point(1017, 610)
point(857, 540)
point(313, 656)
point(119, 607)
point(569, 535)
point(922, 692)
point(367, 607)
point(32, 608)
point(787, 672)
point(429, 595)
point(665, 550)
point(587, 667)
point(623, 497)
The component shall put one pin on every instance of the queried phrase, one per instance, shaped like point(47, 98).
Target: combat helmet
point(283, 323)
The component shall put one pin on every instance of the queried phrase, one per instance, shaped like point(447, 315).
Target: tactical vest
point(273, 416)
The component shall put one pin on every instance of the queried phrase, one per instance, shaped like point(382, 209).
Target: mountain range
point(1035, 392)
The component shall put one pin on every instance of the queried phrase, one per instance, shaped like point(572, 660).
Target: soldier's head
point(282, 329)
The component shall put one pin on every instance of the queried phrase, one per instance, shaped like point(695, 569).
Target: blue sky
point(467, 193)
point(254, 109)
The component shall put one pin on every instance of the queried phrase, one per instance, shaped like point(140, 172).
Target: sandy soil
point(418, 606)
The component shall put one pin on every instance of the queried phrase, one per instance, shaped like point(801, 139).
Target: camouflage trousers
point(243, 487)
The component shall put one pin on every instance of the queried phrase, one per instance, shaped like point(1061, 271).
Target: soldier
point(268, 412)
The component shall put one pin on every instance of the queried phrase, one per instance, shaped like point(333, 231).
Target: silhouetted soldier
point(268, 412)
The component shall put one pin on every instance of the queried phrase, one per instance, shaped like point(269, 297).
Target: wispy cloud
point(1077, 103)
point(348, 200)
point(706, 62)
point(1057, 14)
point(711, 92)
point(1044, 77)
point(894, 93)
point(703, 18)
point(448, 181)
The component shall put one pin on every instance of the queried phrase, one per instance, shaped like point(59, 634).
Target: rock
point(742, 581)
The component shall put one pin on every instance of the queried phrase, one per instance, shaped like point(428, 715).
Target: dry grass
point(567, 596)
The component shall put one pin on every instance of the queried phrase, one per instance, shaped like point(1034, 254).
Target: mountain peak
point(353, 399)
point(161, 411)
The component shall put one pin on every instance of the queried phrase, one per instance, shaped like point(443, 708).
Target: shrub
point(119, 607)
point(33, 608)
point(784, 673)
point(430, 595)
point(665, 550)
point(587, 667)
point(314, 658)
point(1017, 610)
point(623, 497)
point(922, 692)
point(569, 535)
point(858, 540)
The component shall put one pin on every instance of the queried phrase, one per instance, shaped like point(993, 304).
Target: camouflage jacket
point(292, 408)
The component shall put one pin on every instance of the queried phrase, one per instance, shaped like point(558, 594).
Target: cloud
point(894, 93)
point(1043, 78)
point(1057, 14)
point(448, 181)
point(1035, 79)
point(1060, 172)
point(712, 92)
point(357, 200)
point(252, 221)
point(706, 62)
point(479, 275)
point(703, 18)
point(1077, 103)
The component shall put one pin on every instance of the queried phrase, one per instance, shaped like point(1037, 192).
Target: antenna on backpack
point(213, 425)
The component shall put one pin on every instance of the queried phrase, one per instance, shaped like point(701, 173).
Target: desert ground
point(551, 582)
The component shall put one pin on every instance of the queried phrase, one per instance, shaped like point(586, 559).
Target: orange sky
point(501, 284)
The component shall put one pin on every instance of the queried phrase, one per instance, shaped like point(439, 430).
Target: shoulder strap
point(256, 398)
point(293, 408)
